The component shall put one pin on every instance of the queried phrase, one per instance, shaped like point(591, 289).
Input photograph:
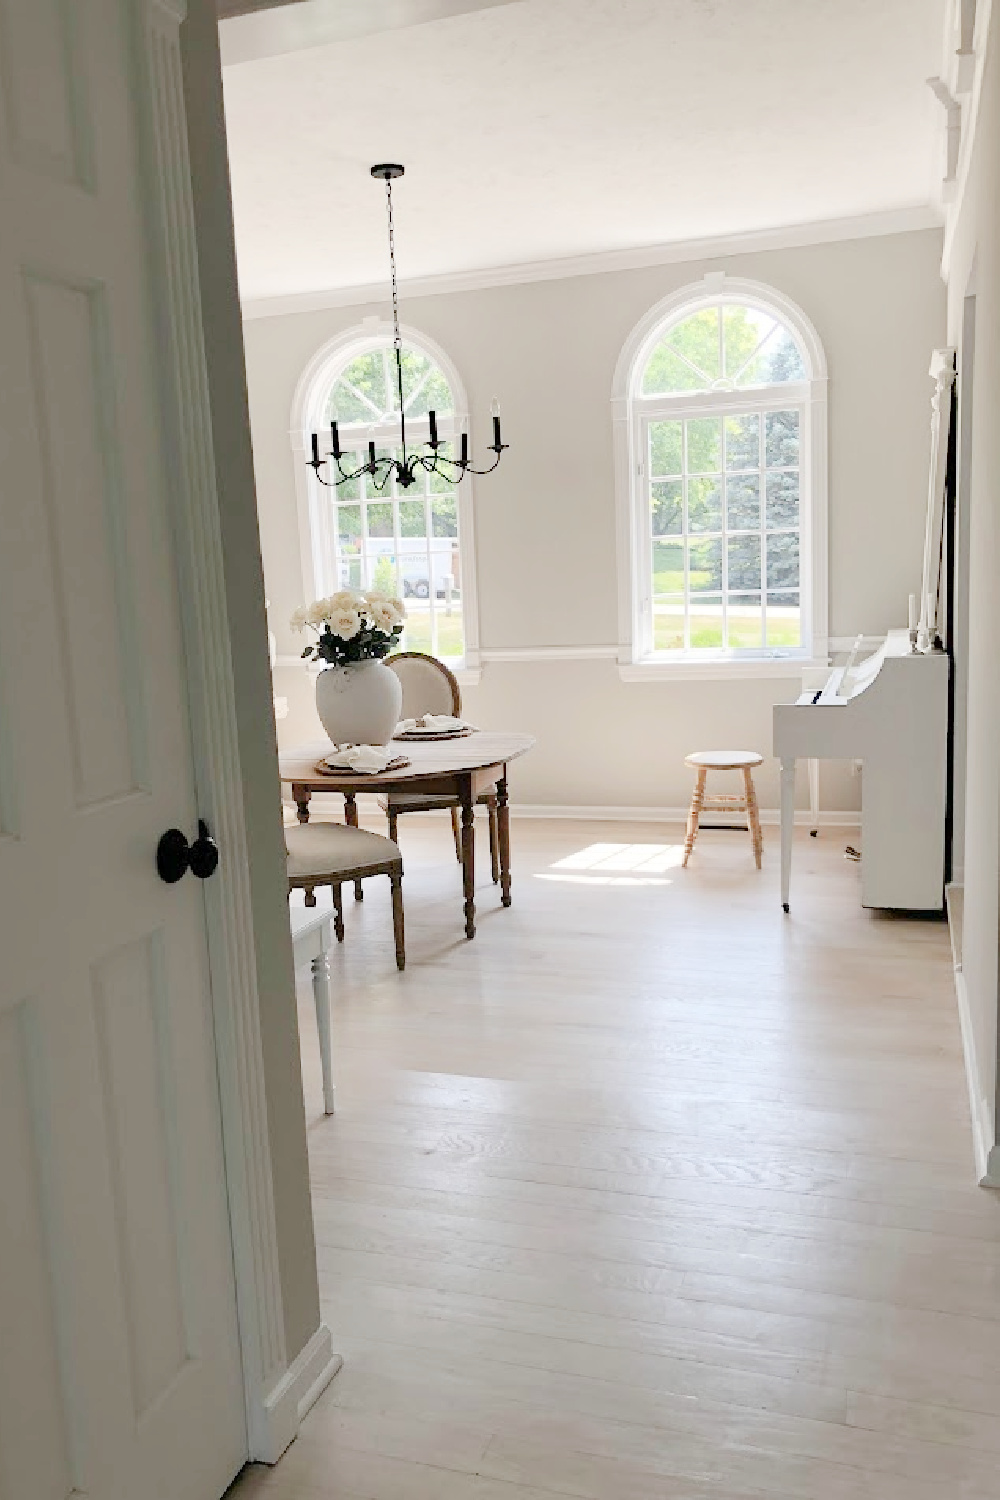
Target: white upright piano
point(889, 711)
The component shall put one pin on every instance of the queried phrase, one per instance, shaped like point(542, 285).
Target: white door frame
point(277, 1395)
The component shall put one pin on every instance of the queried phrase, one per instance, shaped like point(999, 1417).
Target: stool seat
point(743, 761)
point(724, 760)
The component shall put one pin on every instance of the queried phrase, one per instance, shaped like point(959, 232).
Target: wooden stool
point(724, 760)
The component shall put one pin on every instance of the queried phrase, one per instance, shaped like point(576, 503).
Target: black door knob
point(175, 856)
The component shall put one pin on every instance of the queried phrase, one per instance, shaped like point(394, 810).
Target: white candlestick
point(931, 612)
point(912, 619)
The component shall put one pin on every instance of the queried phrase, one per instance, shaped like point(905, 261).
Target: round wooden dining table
point(462, 768)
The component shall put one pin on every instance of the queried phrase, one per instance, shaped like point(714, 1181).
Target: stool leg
point(697, 798)
point(753, 815)
point(396, 881)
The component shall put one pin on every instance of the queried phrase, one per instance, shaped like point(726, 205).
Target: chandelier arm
point(498, 451)
point(344, 477)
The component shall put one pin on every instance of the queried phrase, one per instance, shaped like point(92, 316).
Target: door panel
point(34, 1452)
point(119, 1355)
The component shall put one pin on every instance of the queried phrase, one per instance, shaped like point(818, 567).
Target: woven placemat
point(433, 737)
point(398, 763)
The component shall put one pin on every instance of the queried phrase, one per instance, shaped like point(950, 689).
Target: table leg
point(503, 832)
point(787, 826)
point(300, 796)
point(813, 767)
point(321, 997)
point(469, 857)
point(351, 817)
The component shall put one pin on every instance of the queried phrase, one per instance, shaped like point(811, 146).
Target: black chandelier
point(382, 467)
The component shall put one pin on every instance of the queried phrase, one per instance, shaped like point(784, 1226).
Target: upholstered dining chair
point(335, 854)
point(429, 687)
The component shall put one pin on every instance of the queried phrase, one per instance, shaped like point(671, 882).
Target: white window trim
point(628, 411)
point(316, 543)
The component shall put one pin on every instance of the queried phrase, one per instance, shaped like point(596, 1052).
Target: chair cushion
point(318, 849)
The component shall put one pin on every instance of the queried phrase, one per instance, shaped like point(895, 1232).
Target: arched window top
point(724, 346)
point(365, 391)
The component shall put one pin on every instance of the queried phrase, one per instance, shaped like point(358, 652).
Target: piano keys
point(889, 711)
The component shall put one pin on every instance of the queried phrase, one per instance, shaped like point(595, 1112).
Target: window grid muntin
point(721, 405)
point(724, 384)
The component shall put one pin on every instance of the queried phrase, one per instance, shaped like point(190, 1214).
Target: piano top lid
point(847, 682)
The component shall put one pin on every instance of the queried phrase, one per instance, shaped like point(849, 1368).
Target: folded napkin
point(438, 723)
point(368, 758)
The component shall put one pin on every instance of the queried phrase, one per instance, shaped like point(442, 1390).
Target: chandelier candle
point(405, 468)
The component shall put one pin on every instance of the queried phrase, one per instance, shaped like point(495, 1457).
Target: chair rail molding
point(273, 1392)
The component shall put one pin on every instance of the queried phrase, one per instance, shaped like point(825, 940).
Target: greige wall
point(549, 350)
point(975, 266)
point(248, 643)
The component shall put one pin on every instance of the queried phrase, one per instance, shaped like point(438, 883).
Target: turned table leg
point(351, 817)
point(300, 796)
point(469, 857)
point(503, 838)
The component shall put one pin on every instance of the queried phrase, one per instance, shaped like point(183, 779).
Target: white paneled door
point(120, 1369)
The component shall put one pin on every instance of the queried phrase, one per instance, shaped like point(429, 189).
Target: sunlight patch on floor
point(616, 864)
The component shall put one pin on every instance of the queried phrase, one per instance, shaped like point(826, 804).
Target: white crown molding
point(821, 232)
point(975, 65)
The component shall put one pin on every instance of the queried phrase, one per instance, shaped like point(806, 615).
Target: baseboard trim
point(610, 814)
point(985, 1154)
point(587, 813)
point(298, 1389)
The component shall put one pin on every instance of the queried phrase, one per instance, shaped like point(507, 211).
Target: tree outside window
point(720, 436)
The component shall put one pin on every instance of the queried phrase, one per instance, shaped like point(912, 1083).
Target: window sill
point(719, 669)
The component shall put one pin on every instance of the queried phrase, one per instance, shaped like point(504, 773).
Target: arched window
point(721, 431)
point(414, 542)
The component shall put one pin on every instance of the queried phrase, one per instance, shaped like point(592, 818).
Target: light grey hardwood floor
point(648, 1193)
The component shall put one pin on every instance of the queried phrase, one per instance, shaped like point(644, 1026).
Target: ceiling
point(540, 129)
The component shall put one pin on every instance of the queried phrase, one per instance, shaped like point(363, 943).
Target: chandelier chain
point(383, 468)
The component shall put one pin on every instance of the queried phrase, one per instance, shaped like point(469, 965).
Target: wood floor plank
point(649, 1193)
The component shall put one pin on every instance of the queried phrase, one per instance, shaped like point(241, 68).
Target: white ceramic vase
point(359, 704)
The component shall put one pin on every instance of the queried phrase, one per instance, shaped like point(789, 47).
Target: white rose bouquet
point(351, 626)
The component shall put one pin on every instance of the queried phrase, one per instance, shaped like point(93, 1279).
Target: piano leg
point(813, 766)
point(787, 826)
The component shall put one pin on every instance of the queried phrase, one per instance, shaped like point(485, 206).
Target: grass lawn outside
point(451, 636)
point(744, 628)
